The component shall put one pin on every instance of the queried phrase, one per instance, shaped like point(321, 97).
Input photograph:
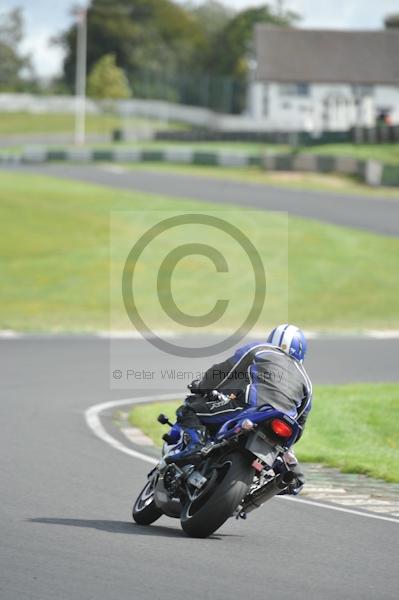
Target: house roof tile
point(310, 55)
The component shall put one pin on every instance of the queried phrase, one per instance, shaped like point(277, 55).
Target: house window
point(302, 89)
point(361, 91)
point(294, 89)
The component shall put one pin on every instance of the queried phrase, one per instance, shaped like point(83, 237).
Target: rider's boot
point(194, 440)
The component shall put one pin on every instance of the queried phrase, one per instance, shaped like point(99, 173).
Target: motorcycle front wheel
point(145, 511)
point(210, 508)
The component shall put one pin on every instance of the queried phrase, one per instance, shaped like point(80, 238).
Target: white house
point(314, 80)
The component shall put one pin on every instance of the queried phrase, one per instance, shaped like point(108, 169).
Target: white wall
point(327, 107)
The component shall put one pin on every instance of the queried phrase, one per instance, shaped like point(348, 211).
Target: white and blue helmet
point(290, 339)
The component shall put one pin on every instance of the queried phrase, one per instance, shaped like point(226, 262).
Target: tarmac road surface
point(376, 214)
point(65, 496)
point(66, 530)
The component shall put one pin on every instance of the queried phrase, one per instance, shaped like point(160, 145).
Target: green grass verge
point(332, 183)
point(144, 417)
point(352, 427)
point(355, 428)
point(43, 123)
point(54, 263)
point(387, 153)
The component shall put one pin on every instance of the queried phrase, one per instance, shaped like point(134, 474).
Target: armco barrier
point(357, 135)
point(373, 172)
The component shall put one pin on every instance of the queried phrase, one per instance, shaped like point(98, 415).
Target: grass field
point(55, 263)
point(352, 427)
point(388, 153)
point(43, 123)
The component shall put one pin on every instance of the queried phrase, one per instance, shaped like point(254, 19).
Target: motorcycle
point(240, 467)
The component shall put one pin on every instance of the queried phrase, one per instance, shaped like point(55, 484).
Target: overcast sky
point(46, 18)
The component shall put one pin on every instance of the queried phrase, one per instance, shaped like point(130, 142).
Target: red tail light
point(281, 428)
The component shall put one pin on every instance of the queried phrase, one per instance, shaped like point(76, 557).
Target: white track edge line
point(94, 423)
point(340, 509)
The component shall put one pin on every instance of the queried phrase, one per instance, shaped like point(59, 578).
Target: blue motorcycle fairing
point(258, 415)
point(229, 427)
point(174, 434)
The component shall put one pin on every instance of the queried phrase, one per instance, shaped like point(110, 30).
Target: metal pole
point(280, 8)
point(81, 59)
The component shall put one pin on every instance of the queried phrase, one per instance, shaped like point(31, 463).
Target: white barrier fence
point(152, 109)
point(34, 104)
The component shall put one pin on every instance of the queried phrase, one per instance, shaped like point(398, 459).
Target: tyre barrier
point(372, 172)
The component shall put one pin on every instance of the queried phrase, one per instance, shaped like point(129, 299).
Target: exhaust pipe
point(270, 489)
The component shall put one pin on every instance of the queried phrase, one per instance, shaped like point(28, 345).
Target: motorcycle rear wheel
point(202, 517)
point(145, 511)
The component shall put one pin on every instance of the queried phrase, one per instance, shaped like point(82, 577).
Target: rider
point(259, 373)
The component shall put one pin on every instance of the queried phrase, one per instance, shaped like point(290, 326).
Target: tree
point(232, 47)
point(196, 54)
point(143, 35)
point(12, 63)
point(11, 28)
point(10, 66)
point(212, 15)
point(233, 44)
point(107, 80)
point(392, 21)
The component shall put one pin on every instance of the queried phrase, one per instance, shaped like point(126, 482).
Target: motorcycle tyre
point(222, 502)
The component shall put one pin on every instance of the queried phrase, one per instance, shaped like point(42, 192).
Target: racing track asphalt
point(65, 496)
point(66, 531)
point(377, 214)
